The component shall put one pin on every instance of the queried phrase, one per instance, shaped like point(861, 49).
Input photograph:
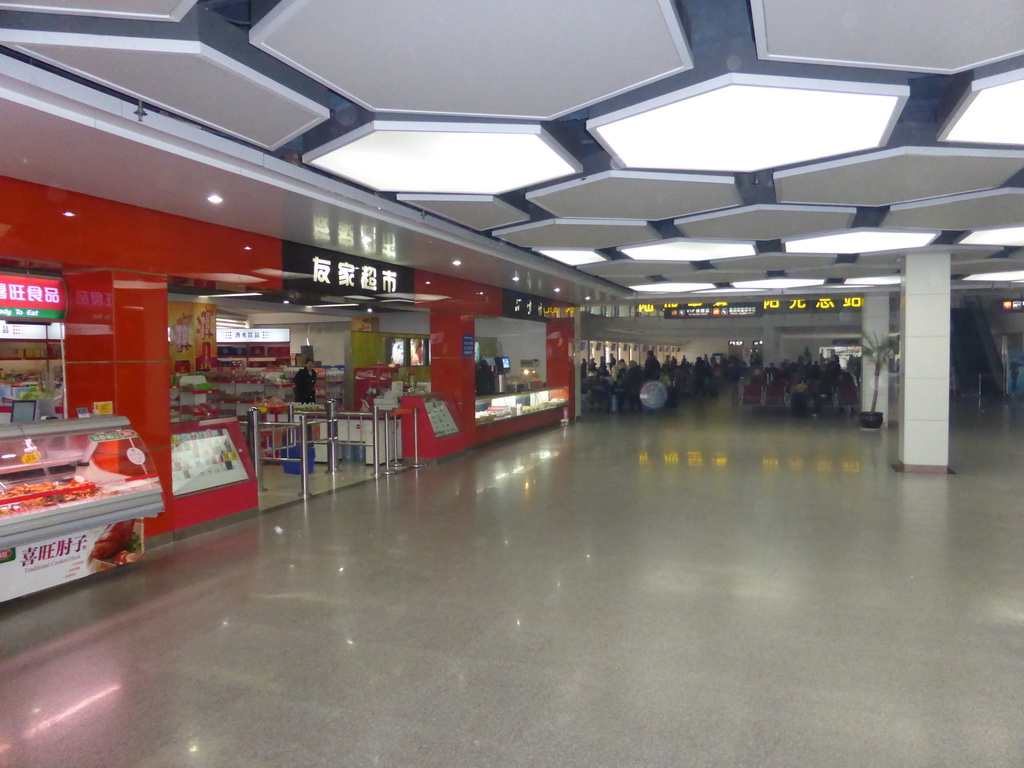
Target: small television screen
point(419, 352)
point(504, 364)
point(396, 351)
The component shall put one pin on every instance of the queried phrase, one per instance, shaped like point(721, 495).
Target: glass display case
point(63, 477)
point(494, 408)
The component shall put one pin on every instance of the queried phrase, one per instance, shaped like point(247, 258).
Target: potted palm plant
point(879, 349)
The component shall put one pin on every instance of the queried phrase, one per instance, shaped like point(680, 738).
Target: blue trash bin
point(293, 467)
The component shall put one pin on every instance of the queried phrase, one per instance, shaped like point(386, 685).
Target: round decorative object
point(653, 395)
point(870, 419)
point(136, 456)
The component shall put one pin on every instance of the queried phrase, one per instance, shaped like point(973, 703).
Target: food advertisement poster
point(192, 334)
point(31, 567)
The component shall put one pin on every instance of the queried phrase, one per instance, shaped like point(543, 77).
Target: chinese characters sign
point(36, 297)
point(249, 335)
point(327, 272)
point(787, 305)
point(515, 304)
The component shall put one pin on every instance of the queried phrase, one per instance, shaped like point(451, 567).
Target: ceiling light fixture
point(708, 127)
point(671, 287)
point(880, 280)
point(69, 214)
point(995, 236)
point(370, 310)
point(558, 290)
point(445, 157)
point(215, 198)
point(322, 306)
point(683, 249)
point(778, 283)
point(860, 241)
point(286, 302)
point(997, 277)
point(515, 279)
point(989, 113)
point(573, 257)
point(457, 263)
point(732, 290)
point(586, 298)
point(230, 295)
point(247, 248)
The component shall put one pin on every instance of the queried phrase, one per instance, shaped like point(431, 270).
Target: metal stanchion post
point(290, 431)
point(387, 446)
point(332, 438)
point(376, 455)
point(255, 446)
point(304, 467)
point(415, 439)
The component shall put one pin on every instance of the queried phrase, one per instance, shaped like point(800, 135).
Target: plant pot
point(870, 419)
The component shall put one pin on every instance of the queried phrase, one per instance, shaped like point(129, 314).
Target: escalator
point(973, 355)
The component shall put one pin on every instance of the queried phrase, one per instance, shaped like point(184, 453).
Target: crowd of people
point(610, 384)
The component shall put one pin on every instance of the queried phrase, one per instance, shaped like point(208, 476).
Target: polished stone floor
point(701, 587)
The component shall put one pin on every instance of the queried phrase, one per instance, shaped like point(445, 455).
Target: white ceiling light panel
point(778, 283)
point(997, 277)
point(860, 241)
point(716, 125)
point(148, 10)
point(990, 112)
point(573, 257)
point(878, 280)
point(672, 287)
point(997, 236)
point(448, 158)
point(679, 249)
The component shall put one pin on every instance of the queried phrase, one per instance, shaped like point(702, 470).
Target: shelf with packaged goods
point(67, 476)
point(491, 409)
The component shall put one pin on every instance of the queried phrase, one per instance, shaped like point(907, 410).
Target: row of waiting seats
point(779, 394)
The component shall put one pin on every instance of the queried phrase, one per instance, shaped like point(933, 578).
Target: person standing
point(305, 383)
point(652, 368)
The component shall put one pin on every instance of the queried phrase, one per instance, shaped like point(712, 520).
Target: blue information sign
point(468, 347)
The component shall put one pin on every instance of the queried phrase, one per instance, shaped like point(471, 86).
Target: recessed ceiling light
point(996, 236)
point(713, 126)
point(286, 302)
point(247, 248)
point(997, 277)
point(860, 241)
point(215, 198)
point(558, 290)
point(778, 283)
point(572, 256)
point(990, 112)
point(457, 263)
point(427, 282)
point(586, 298)
point(880, 280)
point(671, 287)
point(69, 214)
point(369, 309)
point(682, 249)
point(321, 306)
point(450, 158)
point(515, 279)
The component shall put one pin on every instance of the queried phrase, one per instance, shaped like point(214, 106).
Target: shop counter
point(437, 423)
point(211, 472)
point(72, 497)
point(507, 414)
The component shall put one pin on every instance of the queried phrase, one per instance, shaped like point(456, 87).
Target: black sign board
point(524, 305)
point(711, 309)
point(331, 273)
point(801, 304)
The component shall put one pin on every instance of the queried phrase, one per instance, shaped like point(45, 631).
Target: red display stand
point(431, 446)
point(223, 466)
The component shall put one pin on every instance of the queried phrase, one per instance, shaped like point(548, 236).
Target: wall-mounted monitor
point(396, 350)
point(419, 352)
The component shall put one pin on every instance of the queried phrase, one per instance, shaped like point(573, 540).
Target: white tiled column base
point(924, 363)
point(874, 323)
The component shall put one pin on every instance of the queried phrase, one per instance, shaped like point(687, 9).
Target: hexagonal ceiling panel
point(578, 233)
point(184, 76)
point(649, 195)
point(529, 59)
point(884, 34)
point(993, 208)
point(766, 222)
point(898, 175)
point(774, 262)
point(712, 126)
point(152, 10)
point(478, 212)
point(449, 158)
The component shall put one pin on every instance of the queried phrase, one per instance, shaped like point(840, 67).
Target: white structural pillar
point(924, 364)
point(874, 324)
